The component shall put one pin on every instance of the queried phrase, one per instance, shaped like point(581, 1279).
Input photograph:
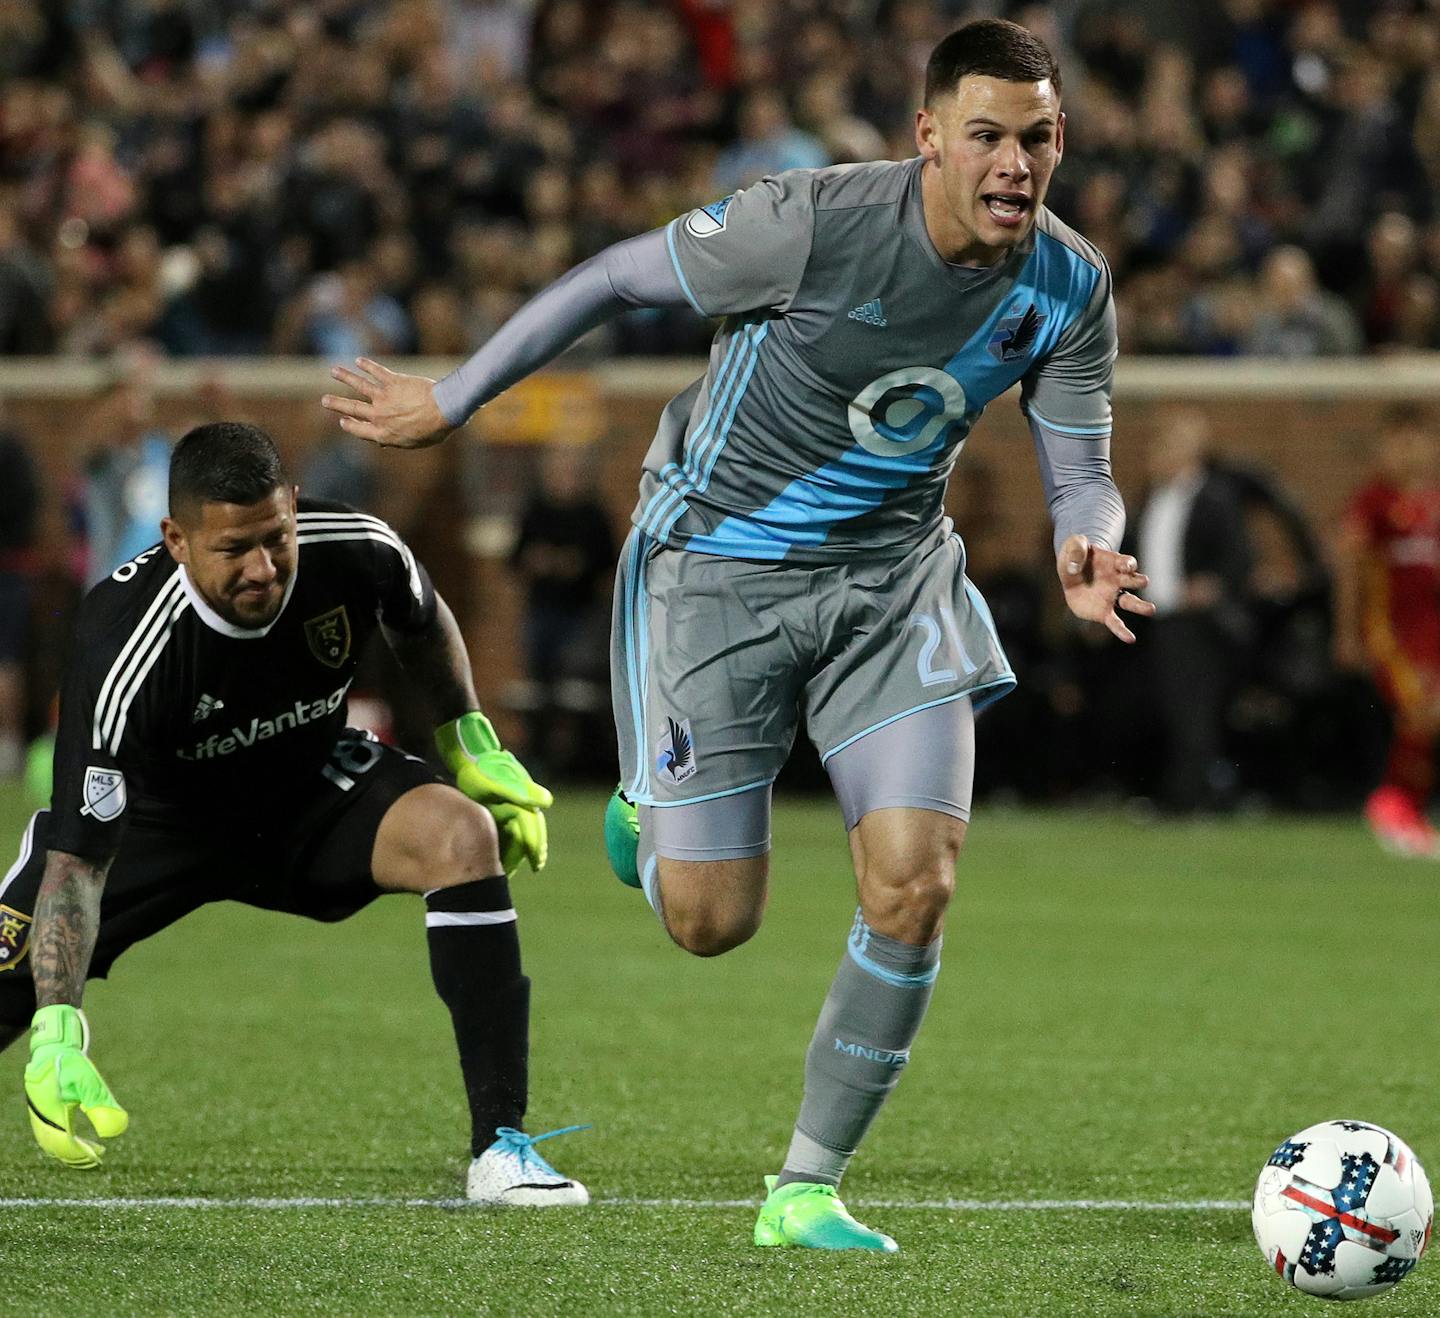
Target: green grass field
point(1128, 1013)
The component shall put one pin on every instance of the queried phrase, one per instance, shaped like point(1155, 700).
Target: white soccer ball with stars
point(1343, 1210)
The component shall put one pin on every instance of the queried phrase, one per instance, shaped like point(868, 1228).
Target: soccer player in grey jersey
point(790, 549)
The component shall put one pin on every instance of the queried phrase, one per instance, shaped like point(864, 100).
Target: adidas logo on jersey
point(872, 313)
point(301, 712)
point(206, 706)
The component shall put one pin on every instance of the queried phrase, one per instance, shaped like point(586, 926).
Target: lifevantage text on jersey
point(262, 729)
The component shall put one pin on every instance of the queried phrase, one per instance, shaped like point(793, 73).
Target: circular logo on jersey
point(925, 402)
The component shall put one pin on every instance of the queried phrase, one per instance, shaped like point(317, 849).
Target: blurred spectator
point(1368, 163)
point(841, 133)
point(1397, 300)
point(1289, 728)
point(564, 556)
point(769, 142)
point(127, 474)
point(340, 470)
point(1194, 543)
point(1387, 619)
point(345, 315)
point(1295, 316)
point(19, 512)
point(488, 37)
point(439, 322)
point(1416, 326)
point(339, 192)
point(25, 291)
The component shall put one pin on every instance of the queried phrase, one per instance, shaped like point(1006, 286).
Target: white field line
point(360, 1201)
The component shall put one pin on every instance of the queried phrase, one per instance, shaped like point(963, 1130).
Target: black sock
point(475, 963)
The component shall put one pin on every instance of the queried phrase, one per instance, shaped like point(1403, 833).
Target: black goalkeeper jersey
point(172, 716)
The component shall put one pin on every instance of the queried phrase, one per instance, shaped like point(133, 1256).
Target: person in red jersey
point(1387, 619)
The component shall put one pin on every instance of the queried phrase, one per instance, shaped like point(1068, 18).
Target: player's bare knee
point(710, 907)
point(911, 907)
point(906, 891)
point(711, 933)
point(465, 845)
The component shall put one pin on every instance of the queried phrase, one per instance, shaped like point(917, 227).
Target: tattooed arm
point(67, 919)
point(61, 1080)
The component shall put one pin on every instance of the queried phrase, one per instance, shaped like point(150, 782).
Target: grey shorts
point(713, 659)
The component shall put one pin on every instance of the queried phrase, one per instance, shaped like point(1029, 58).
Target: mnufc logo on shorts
point(262, 729)
point(873, 1054)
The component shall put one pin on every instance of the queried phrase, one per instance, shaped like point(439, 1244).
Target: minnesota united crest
point(1016, 335)
point(329, 637)
point(675, 752)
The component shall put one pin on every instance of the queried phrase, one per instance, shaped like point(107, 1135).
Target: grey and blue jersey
point(850, 364)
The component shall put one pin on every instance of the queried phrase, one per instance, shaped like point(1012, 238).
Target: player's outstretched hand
point(393, 410)
point(497, 780)
point(1098, 581)
point(62, 1080)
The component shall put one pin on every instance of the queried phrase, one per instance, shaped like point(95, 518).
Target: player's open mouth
point(1007, 209)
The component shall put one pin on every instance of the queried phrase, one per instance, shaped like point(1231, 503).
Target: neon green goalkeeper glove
point(499, 782)
point(60, 1079)
point(523, 836)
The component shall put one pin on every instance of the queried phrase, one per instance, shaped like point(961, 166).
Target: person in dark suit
point(1192, 536)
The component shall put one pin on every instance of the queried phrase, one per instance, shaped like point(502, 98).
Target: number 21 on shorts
point(940, 648)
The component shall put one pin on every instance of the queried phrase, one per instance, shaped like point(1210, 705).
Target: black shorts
point(315, 863)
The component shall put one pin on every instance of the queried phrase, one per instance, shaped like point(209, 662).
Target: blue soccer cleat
point(622, 838)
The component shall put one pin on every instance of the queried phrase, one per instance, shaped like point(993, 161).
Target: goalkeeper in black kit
point(202, 755)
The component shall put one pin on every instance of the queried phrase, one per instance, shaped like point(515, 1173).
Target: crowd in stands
point(395, 176)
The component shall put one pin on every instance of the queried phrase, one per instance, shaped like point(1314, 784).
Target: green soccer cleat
point(622, 838)
point(804, 1215)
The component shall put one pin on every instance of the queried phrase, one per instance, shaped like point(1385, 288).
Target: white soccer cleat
point(511, 1172)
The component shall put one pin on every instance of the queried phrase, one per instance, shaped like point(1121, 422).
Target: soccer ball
point(1343, 1210)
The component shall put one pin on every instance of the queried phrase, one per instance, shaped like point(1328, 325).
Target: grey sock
point(861, 1043)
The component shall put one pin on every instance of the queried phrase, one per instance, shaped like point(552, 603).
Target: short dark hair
point(224, 462)
point(991, 48)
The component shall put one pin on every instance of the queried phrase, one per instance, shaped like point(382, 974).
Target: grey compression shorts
point(924, 761)
point(714, 659)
